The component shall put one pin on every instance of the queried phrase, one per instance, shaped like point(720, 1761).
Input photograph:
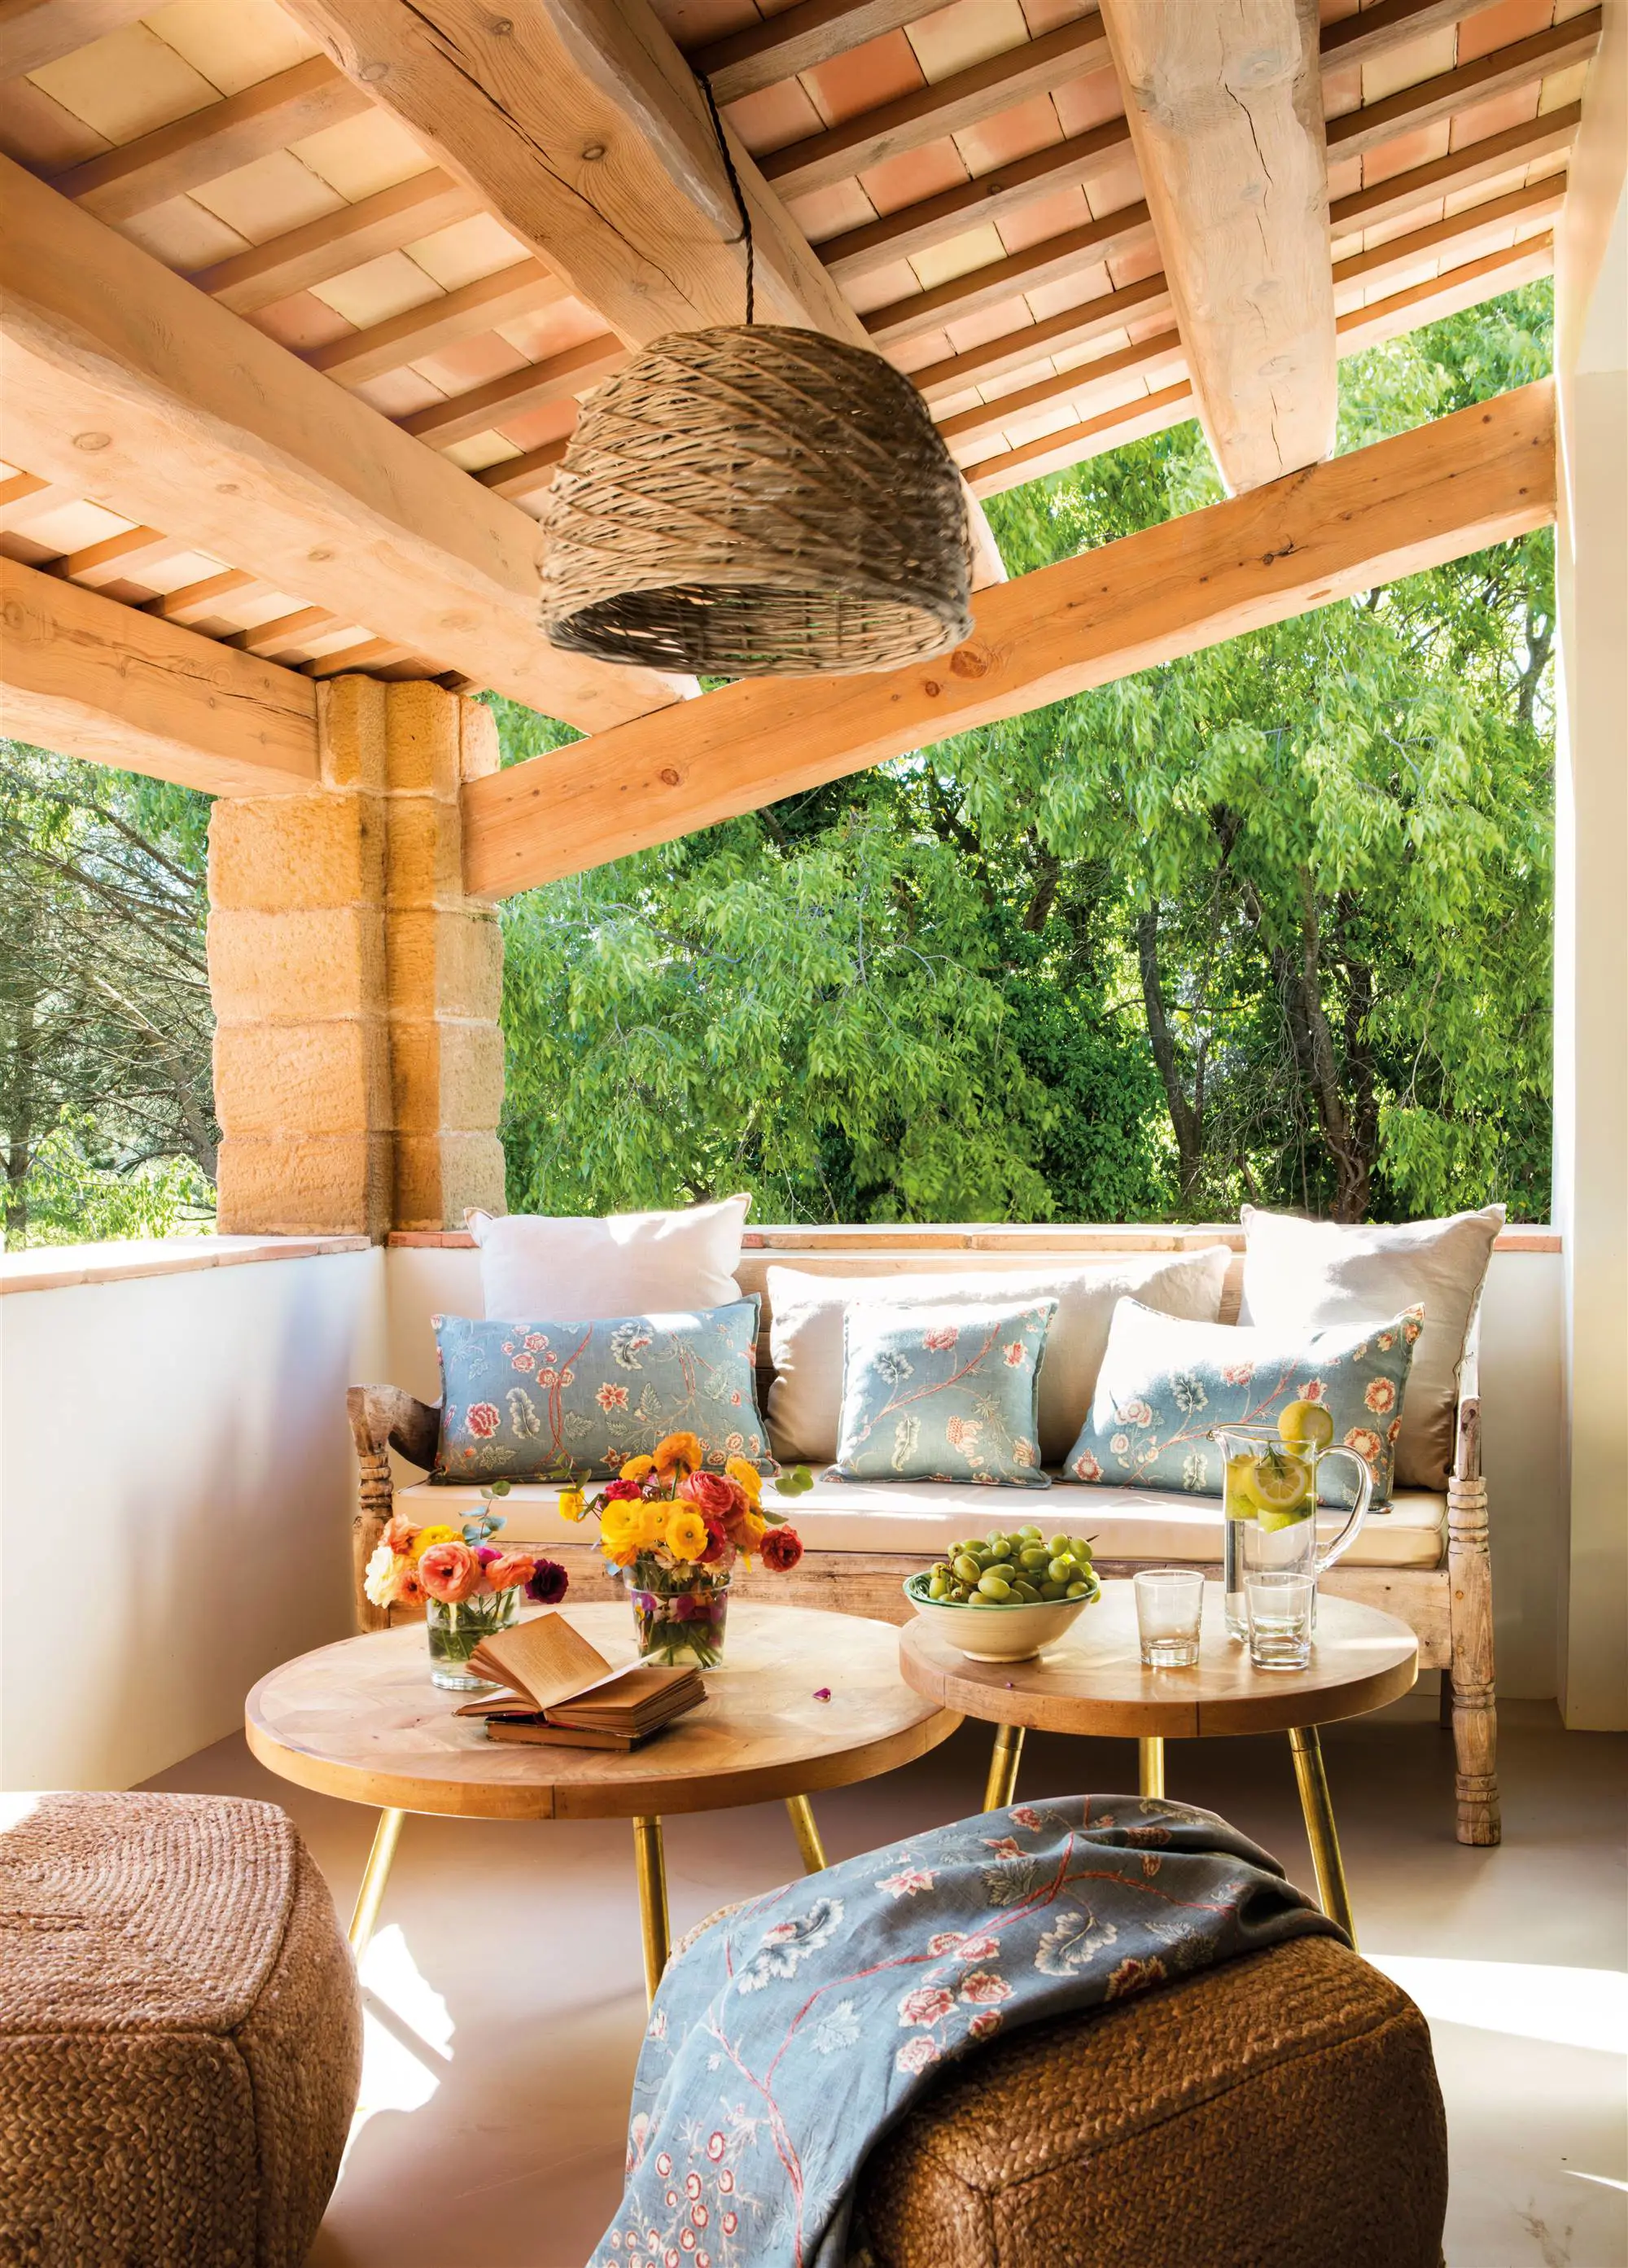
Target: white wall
point(1524, 1443)
point(176, 1490)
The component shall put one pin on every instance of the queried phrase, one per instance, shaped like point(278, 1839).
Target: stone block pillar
point(358, 1064)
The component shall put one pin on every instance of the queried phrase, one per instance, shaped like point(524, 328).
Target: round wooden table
point(361, 1719)
point(1093, 1682)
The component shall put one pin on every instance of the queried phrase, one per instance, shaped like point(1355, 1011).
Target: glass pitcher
point(1269, 1502)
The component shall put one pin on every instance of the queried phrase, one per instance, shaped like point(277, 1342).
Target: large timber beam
point(86, 676)
point(123, 384)
point(1225, 108)
point(581, 126)
point(1476, 478)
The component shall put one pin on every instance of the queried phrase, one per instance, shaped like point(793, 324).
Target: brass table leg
point(375, 1874)
point(1150, 1757)
point(806, 1831)
point(1002, 1784)
point(650, 1863)
point(1332, 1894)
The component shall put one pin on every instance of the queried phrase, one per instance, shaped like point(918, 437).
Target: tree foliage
point(1271, 921)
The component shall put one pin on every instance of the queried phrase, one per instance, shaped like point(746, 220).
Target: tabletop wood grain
point(361, 1719)
point(1092, 1680)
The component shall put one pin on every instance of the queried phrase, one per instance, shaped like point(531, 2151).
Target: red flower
point(781, 1548)
point(717, 1545)
point(623, 1491)
point(483, 1420)
point(549, 1583)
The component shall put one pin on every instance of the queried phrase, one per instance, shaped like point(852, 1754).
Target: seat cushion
point(1280, 2112)
point(921, 1517)
point(181, 2032)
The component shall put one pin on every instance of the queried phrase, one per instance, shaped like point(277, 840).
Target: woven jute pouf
point(180, 2036)
point(1280, 2111)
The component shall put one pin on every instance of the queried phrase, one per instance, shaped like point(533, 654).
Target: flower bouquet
point(467, 1586)
point(674, 1533)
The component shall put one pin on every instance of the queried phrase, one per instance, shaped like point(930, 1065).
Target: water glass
point(1280, 1611)
point(1168, 1603)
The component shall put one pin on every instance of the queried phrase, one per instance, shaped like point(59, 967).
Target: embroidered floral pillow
point(943, 1394)
point(575, 1401)
point(1165, 1384)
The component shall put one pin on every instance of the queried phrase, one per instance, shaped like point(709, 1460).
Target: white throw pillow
point(1299, 1274)
point(627, 1263)
point(806, 1331)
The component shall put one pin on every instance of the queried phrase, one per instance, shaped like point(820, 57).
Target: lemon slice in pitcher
point(1281, 1486)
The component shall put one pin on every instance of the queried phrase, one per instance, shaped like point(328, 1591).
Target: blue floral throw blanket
point(794, 2034)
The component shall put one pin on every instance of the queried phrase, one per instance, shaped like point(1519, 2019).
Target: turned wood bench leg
point(1475, 1711)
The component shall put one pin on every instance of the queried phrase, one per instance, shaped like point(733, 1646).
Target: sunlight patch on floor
point(406, 2031)
point(1570, 2007)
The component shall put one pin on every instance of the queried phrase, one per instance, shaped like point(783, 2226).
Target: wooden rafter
point(338, 242)
point(1498, 72)
point(206, 144)
point(1388, 25)
point(798, 39)
point(1459, 236)
point(1402, 194)
point(443, 422)
point(1147, 301)
point(1091, 437)
point(1049, 261)
point(929, 112)
point(123, 558)
point(465, 313)
point(1225, 110)
point(123, 380)
point(1476, 478)
point(86, 676)
point(35, 32)
point(1162, 356)
point(582, 129)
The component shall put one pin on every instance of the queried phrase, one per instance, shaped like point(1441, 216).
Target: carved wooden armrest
point(1467, 1425)
point(382, 1419)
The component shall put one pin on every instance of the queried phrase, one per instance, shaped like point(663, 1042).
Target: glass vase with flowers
point(675, 1530)
point(467, 1585)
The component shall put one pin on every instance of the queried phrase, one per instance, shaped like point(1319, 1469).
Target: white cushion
point(921, 1517)
point(534, 1268)
point(1298, 1274)
point(806, 1332)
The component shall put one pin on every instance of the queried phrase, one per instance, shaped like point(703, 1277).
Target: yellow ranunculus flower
point(649, 1524)
point(636, 1469)
point(573, 1504)
point(750, 1479)
point(616, 1524)
point(427, 1538)
point(687, 1536)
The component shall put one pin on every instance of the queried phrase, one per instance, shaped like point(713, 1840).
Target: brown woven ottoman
point(1280, 2112)
point(180, 2036)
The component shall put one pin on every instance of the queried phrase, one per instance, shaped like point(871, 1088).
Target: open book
point(562, 1691)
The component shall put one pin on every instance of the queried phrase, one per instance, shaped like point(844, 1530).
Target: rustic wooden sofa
point(1426, 1560)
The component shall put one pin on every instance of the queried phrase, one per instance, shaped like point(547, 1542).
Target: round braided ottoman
point(1280, 2111)
point(181, 2035)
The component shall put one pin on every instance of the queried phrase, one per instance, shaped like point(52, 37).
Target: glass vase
point(681, 1620)
point(455, 1631)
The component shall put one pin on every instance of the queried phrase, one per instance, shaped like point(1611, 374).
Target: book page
point(546, 1659)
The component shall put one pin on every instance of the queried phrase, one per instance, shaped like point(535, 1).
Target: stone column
point(359, 1064)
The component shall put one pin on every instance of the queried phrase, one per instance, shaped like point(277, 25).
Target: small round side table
point(1093, 1682)
point(801, 1701)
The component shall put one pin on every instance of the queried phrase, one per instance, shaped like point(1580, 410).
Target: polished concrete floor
point(505, 2004)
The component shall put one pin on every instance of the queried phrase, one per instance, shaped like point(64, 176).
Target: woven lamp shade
point(753, 501)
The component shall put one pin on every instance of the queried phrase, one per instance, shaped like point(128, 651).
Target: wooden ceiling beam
point(1226, 111)
point(196, 602)
point(1160, 357)
point(1389, 25)
point(126, 558)
point(1075, 444)
point(206, 144)
point(337, 242)
point(989, 197)
point(1380, 514)
point(122, 379)
point(34, 32)
point(520, 288)
point(1402, 194)
point(1498, 72)
point(584, 130)
point(1048, 261)
point(1076, 326)
point(86, 676)
point(483, 407)
point(928, 114)
point(527, 473)
point(798, 39)
point(1539, 200)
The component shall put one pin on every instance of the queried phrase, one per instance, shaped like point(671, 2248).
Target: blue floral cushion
point(575, 1401)
point(1164, 1383)
point(943, 1394)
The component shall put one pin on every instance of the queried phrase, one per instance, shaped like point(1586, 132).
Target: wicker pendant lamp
point(755, 501)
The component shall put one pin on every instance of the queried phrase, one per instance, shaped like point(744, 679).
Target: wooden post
point(1470, 1575)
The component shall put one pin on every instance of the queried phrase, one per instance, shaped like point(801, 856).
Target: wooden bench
point(1448, 1602)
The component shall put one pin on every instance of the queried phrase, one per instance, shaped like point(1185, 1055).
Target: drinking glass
point(1280, 1610)
point(1168, 1603)
point(1269, 1511)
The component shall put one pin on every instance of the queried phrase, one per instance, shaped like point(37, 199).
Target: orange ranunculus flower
point(747, 1476)
point(678, 1449)
point(450, 1572)
point(636, 1469)
point(508, 1570)
point(399, 1533)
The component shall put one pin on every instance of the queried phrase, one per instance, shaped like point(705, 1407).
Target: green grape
point(1029, 1534)
point(1026, 1592)
point(1034, 1554)
point(1080, 1549)
point(1053, 1590)
point(978, 1599)
point(1058, 1545)
point(1004, 1569)
point(937, 1587)
point(995, 1588)
point(1061, 1568)
point(1077, 1590)
point(967, 1568)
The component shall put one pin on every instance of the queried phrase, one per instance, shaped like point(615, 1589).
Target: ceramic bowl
point(1015, 1632)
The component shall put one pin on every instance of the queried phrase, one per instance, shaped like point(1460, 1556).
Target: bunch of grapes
point(1019, 1569)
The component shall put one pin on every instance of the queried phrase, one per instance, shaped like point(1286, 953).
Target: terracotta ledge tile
point(54, 1268)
